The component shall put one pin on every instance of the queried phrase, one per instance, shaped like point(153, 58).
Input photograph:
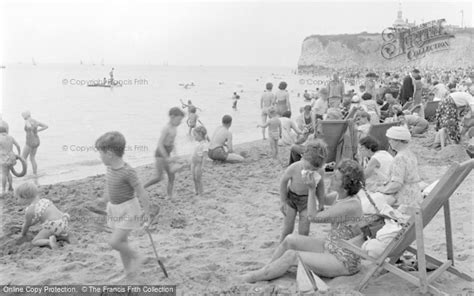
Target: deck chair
point(378, 131)
point(351, 113)
point(413, 231)
point(430, 110)
point(416, 109)
point(332, 132)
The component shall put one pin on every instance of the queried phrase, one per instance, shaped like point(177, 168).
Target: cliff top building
point(400, 23)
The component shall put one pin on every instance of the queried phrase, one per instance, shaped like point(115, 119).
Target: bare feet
point(53, 243)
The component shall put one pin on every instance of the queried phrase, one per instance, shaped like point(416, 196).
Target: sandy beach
point(206, 242)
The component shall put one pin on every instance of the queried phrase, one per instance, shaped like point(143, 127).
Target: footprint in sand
point(225, 244)
point(74, 266)
point(179, 223)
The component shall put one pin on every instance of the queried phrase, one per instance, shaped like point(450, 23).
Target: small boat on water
point(116, 84)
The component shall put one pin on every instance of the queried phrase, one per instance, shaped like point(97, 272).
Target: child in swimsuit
point(274, 131)
point(200, 135)
point(235, 97)
point(294, 191)
point(192, 118)
point(7, 157)
point(54, 222)
point(163, 151)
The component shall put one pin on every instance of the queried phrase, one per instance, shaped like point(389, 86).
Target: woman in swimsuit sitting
point(32, 128)
point(323, 256)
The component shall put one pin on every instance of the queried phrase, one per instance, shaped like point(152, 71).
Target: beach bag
point(370, 230)
point(376, 246)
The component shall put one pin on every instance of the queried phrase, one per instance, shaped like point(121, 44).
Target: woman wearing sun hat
point(403, 181)
point(401, 188)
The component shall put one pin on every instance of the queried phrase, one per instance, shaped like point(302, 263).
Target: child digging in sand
point(7, 157)
point(123, 208)
point(54, 222)
point(163, 151)
point(294, 191)
point(200, 135)
point(274, 131)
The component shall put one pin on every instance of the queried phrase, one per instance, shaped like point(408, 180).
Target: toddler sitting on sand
point(54, 222)
point(294, 191)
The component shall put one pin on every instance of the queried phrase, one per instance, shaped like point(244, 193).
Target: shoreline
point(29, 177)
point(205, 242)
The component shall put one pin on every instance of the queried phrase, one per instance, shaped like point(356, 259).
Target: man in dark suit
point(408, 87)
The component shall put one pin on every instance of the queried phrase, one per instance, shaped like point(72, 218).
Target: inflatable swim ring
point(23, 167)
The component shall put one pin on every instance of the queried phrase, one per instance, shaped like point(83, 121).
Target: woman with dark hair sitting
point(376, 162)
point(401, 189)
point(323, 256)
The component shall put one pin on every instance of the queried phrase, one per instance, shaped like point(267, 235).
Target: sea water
point(77, 115)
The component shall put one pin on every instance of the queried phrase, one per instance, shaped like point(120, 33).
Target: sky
point(226, 33)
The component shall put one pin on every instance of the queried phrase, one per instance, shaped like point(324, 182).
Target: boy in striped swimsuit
point(124, 213)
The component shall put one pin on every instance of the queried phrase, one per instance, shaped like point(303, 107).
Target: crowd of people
point(374, 180)
point(377, 179)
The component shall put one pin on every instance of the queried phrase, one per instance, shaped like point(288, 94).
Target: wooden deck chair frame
point(413, 231)
point(352, 113)
point(430, 110)
point(332, 132)
point(378, 131)
point(416, 109)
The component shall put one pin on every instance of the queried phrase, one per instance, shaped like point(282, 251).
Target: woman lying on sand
point(324, 257)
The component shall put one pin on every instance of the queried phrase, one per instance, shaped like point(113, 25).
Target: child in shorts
point(54, 223)
point(124, 213)
point(274, 131)
point(294, 192)
point(163, 151)
point(200, 135)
